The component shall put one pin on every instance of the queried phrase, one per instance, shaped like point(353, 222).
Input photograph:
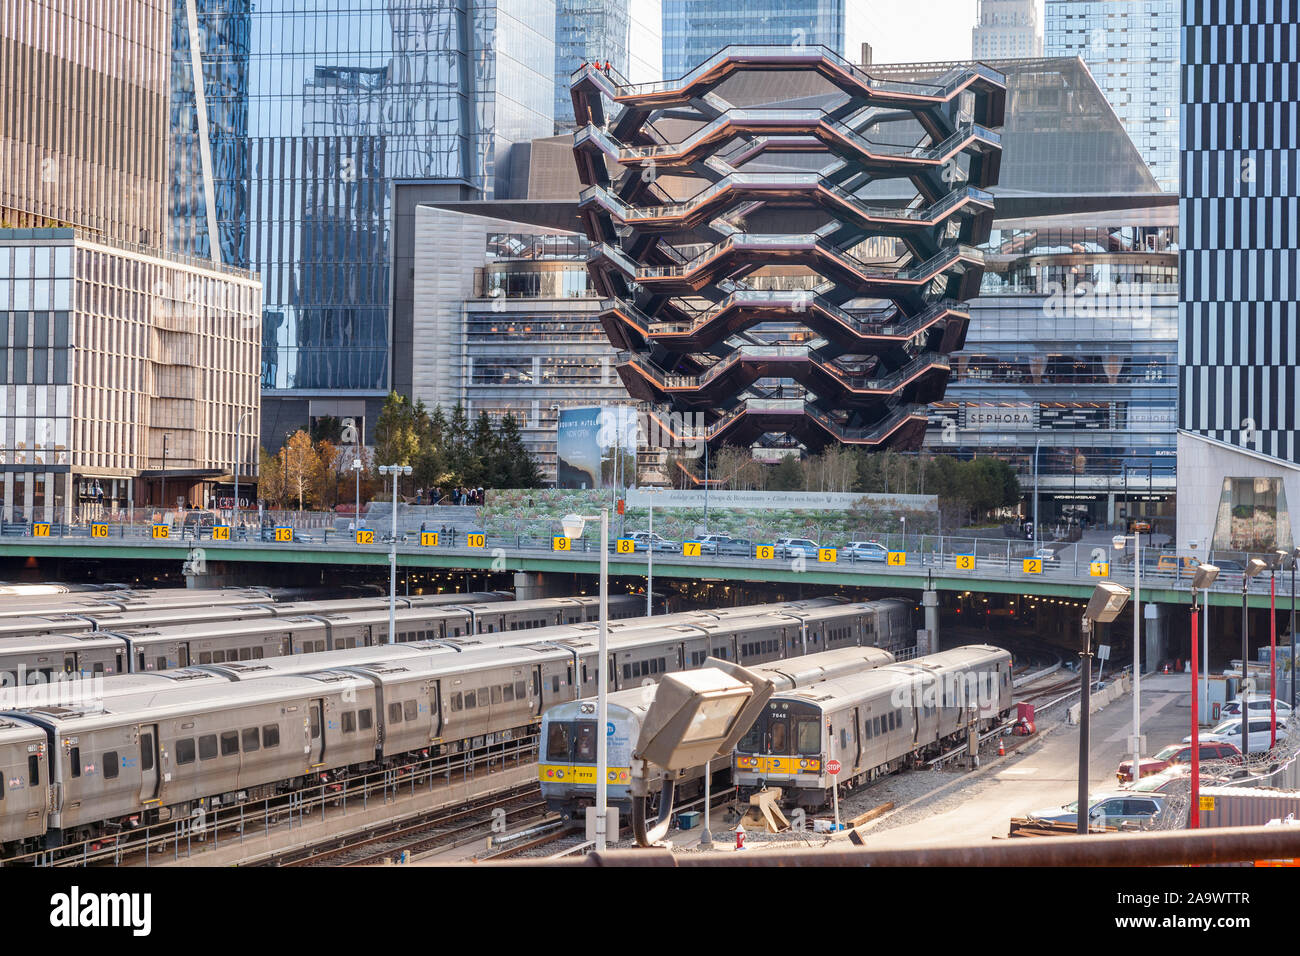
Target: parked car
point(737, 547)
point(1258, 707)
point(1258, 733)
point(865, 551)
point(1046, 555)
point(1122, 810)
point(649, 539)
point(1176, 754)
point(1173, 564)
point(710, 543)
point(789, 547)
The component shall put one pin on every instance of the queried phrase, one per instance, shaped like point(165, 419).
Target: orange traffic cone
point(1002, 748)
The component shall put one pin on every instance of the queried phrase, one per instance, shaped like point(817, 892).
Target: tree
point(331, 457)
point(270, 480)
point(327, 428)
point(520, 467)
point(302, 467)
point(397, 439)
point(786, 475)
point(737, 468)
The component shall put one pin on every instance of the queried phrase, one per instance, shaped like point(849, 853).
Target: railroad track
point(439, 829)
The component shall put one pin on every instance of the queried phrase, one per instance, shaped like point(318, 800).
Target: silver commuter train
point(566, 766)
point(872, 722)
point(499, 693)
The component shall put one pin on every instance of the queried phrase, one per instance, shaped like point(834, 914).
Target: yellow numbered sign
point(827, 555)
point(365, 535)
point(690, 549)
point(161, 531)
point(1033, 565)
point(557, 544)
point(897, 558)
point(221, 532)
point(428, 539)
point(476, 541)
point(625, 546)
point(40, 530)
point(1099, 569)
point(965, 562)
point(99, 531)
point(764, 552)
point(283, 534)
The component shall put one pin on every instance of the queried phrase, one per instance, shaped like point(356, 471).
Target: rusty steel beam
point(1176, 848)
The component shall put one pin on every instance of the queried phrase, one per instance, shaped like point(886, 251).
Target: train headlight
point(803, 764)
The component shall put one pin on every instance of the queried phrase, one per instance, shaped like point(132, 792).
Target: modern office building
point(1239, 405)
point(1131, 48)
point(779, 304)
point(626, 34)
point(345, 99)
point(1007, 28)
point(121, 362)
point(694, 30)
point(1068, 365)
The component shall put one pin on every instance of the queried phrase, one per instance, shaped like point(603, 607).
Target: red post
point(1194, 815)
point(1272, 663)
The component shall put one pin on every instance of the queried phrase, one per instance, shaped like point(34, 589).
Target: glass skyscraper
point(627, 33)
point(694, 30)
point(314, 109)
point(1131, 47)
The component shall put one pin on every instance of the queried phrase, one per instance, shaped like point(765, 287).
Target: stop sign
point(832, 767)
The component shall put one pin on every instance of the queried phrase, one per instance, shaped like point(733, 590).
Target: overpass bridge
point(933, 563)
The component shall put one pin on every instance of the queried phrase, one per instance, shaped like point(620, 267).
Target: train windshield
point(584, 741)
point(558, 739)
point(571, 741)
point(808, 736)
point(784, 728)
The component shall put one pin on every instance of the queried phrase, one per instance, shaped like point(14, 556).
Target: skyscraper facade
point(1007, 28)
point(1239, 325)
point(694, 30)
point(313, 111)
point(624, 33)
point(1131, 47)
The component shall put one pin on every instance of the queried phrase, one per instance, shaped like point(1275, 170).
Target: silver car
point(1122, 810)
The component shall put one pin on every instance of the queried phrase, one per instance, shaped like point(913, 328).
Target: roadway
point(994, 565)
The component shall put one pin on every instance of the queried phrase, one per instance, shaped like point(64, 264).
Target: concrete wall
point(1202, 466)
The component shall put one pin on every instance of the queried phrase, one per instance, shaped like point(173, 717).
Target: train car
point(567, 746)
point(24, 790)
point(43, 657)
point(872, 722)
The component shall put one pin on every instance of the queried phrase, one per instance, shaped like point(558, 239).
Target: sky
point(913, 30)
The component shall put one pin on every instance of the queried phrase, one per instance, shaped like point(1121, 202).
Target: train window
point(750, 742)
point(111, 764)
point(521, 691)
point(844, 736)
point(780, 737)
point(584, 744)
point(349, 721)
point(875, 726)
point(557, 741)
point(74, 759)
point(270, 736)
point(229, 742)
point(808, 736)
point(205, 657)
point(33, 770)
point(395, 712)
point(496, 693)
point(471, 699)
point(585, 678)
point(160, 664)
point(508, 692)
point(251, 741)
point(245, 653)
point(411, 709)
point(627, 671)
point(146, 752)
point(364, 719)
point(456, 702)
point(315, 721)
point(185, 750)
point(257, 653)
point(207, 746)
point(218, 657)
point(555, 684)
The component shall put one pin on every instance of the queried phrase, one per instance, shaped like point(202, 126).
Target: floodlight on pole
point(1254, 567)
point(1103, 607)
point(397, 471)
point(1119, 541)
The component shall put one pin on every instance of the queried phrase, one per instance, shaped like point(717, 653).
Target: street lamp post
point(164, 472)
point(1118, 541)
point(356, 508)
point(1253, 567)
point(239, 447)
point(1295, 559)
point(1279, 560)
point(397, 471)
point(1036, 444)
point(1202, 578)
point(573, 526)
point(1103, 607)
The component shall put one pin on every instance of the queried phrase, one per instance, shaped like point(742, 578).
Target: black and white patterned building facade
point(1239, 334)
point(1239, 327)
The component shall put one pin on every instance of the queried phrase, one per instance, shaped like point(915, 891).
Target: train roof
point(325, 660)
point(57, 643)
point(180, 700)
point(214, 629)
point(24, 626)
